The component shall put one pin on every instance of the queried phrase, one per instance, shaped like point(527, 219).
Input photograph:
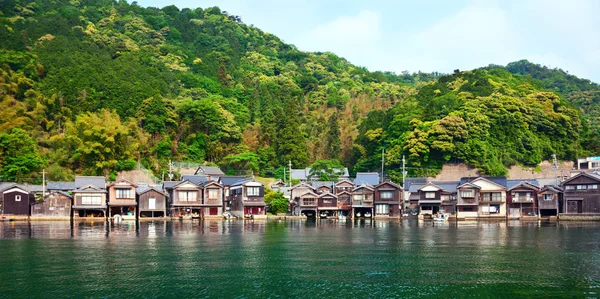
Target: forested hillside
point(93, 87)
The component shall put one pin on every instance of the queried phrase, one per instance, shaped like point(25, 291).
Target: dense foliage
point(96, 86)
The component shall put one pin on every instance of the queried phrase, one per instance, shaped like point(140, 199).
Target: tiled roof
point(317, 184)
point(230, 180)
point(369, 178)
point(210, 170)
point(97, 181)
point(60, 186)
point(449, 186)
point(144, 188)
point(170, 184)
point(196, 179)
point(500, 180)
point(513, 183)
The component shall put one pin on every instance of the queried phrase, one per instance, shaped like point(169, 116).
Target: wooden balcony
point(362, 203)
point(308, 203)
point(522, 200)
point(213, 202)
point(468, 201)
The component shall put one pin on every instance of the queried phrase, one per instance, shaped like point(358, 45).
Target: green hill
point(95, 87)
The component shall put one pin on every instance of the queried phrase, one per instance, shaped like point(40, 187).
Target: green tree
point(290, 143)
point(275, 201)
point(326, 170)
point(19, 157)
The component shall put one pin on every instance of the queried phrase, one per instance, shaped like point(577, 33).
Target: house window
point(252, 191)
point(570, 187)
point(187, 195)
point(308, 201)
point(445, 197)
point(124, 193)
point(594, 186)
point(357, 196)
point(213, 193)
point(429, 194)
point(327, 201)
point(494, 209)
point(91, 200)
point(387, 195)
point(547, 196)
point(581, 187)
point(226, 192)
point(525, 196)
point(151, 203)
point(467, 193)
point(382, 209)
point(17, 197)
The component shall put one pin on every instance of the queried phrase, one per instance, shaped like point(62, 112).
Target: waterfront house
point(152, 202)
point(185, 200)
point(227, 182)
point(581, 194)
point(55, 205)
point(213, 199)
point(89, 201)
point(295, 193)
point(307, 204)
point(387, 200)
point(327, 205)
point(343, 186)
point(367, 178)
point(549, 201)
point(521, 199)
point(430, 199)
point(362, 201)
point(322, 187)
point(122, 199)
point(344, 200)
point(482, 197)
point(16, 200)
point(248, 199)
point(210, 172)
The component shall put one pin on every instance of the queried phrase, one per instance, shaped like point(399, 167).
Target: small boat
point(323, 215)
point(368, 215)
point(341, 217)
point(440, 217)
point(117, 218)
point(358, 214)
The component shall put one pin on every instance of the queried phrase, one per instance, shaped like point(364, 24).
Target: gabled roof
point(57, 192)
point(208, 183)
point(209, 170)
point(230, 180)
point(98, 181)
point(327, 194)
point(90, 189)
point(448, 186)
point(430, 184)
point(141, 189)
point(319, 184)
point(249, 180)
point(363, 186)
point(586, 174)
point(344, 181)
point(468, 185)
point(498, 180)
point(309, 193)
point(344, 192)
point(170, 184)
point(186, 181)
point(518, 184)
point(12, 186)
point(390, 183)
point(302, 184)
point(551, 188)
point(195, 179)
point(122, 180)
point(369, 178)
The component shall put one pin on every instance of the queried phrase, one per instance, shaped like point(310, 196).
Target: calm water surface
point(298, 259)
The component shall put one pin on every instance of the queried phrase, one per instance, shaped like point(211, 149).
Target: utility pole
point(382, 162)
point(170, 170)
point(403, 179)
point(555, 168)
point(290, 165)
point(284, 177)
point(43, 183)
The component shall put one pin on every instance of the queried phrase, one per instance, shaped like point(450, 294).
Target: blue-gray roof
point(512, 183)
point(170, 184)
point(369, 178)
point(317, 184)
point(209, 170)
point(449, 186)
point(64, 186)
point(230, 180)
point(500, 180)
point(196, 179)
point(96, 181)
point(144, 188)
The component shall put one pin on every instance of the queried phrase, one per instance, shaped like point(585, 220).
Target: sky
point(430, 35)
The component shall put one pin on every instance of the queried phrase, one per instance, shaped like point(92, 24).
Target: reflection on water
point(328, 258)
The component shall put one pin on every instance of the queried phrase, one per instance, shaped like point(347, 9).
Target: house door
point(515, 212)
point(574, 206)
point(214, 211)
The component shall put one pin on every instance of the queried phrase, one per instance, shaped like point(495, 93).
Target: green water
point(222, 259)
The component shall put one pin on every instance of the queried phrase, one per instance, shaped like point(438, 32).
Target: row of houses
point(194, 196)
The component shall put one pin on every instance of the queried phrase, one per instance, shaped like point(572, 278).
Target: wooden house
point(581, 194)
point(430, 199)
point(185, 200)
point(521, 199)
point(295, 197)
point(307, 204)
point(362, 201)
point(16, 200)
point(344, 203)
point(248, 199)
point(152, 202)
point(327, 205)
point(122, 199)
point(211, 172)
point(549, 201)
point(212, 199)
point(343, 185)
point(387, 200)
point(89, 202)
point(481, 198)
point(55, 205)
point(227, 182)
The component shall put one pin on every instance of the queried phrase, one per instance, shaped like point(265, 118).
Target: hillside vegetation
point(94, 87)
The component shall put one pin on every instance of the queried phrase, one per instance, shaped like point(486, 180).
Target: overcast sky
point(430, 35)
